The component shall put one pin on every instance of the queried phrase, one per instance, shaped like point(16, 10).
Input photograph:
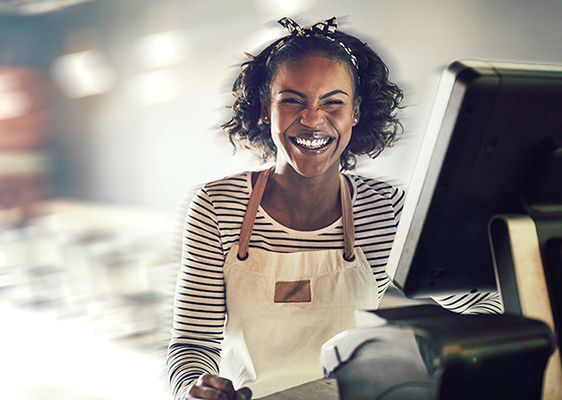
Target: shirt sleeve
point(396, 196)
point(199, 304)
point(475, 303)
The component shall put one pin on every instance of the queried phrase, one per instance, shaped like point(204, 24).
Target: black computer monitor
point(493, 145)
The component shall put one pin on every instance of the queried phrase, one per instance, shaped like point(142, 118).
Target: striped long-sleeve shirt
point(212, 226)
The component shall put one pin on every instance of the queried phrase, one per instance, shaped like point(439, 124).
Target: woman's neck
point(303, 203)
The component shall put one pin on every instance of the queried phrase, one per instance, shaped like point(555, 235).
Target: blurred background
point(109, 115)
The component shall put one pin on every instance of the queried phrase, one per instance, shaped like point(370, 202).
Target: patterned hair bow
point(324, 29)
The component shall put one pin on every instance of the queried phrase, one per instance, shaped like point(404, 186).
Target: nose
point(312, 117)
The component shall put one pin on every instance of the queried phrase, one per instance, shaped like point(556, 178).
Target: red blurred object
point(25, 134)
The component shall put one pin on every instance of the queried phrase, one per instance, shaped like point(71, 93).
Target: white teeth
point(313, 144)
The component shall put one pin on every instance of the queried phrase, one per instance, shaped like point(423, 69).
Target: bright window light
point(161, 49)
point(14, 104)
point(83, 74)
point(13, 101)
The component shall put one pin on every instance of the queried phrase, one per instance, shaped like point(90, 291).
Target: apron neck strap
point(347, 219)
point(255, 200)
point(251, 211)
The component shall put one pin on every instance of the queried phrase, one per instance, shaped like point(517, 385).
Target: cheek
point(346, 131)
point(281, 120)
point(344, 123)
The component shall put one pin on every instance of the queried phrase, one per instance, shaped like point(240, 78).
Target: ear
point(265, 110)
point(356, 111)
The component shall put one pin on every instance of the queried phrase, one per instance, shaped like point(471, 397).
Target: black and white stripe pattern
point(213, 225)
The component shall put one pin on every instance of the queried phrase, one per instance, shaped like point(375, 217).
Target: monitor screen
point(492, 126)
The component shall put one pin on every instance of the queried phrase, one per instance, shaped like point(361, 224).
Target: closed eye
point(333, 104)
point(334, 101)
point(291, 100)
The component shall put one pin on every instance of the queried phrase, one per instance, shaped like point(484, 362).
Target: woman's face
point(312, 111)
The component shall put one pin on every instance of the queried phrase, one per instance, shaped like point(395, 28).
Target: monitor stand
point(520, 276)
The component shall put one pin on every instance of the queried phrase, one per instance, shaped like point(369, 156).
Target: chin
point(311, 171)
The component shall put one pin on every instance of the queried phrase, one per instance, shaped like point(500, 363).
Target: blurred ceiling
point(35, 7)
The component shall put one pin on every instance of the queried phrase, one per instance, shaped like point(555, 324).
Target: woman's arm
point(199, 306)
point(377, 210)
point(473, 303)
point(396, 197)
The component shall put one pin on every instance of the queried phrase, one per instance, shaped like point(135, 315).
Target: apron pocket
point(292, 292)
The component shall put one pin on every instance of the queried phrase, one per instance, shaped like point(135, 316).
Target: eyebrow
point(324, 96)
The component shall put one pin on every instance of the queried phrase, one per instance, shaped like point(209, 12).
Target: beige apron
point(281, 307)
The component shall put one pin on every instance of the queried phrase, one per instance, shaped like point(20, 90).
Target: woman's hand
point(215, 387)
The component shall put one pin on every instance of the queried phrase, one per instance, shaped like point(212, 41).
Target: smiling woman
point(276, 262)
point(302, 231)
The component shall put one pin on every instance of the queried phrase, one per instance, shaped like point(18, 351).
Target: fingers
point(205, 392)
point(216, 382)
point(243, 394)
point(211, 387)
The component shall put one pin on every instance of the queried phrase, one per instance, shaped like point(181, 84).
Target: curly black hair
point(378, 127)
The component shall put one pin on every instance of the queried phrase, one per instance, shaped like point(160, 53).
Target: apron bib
point(282, 307)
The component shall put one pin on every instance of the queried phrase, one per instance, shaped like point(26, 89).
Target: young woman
point(275, 263)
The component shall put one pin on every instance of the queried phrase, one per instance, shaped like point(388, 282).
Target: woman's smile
point(312, 143)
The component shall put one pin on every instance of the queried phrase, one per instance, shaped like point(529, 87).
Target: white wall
point(153, 154)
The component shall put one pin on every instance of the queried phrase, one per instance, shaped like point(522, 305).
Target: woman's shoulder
point(375, 193)
point(234, 186)
point(367, 185)
point(238, 182)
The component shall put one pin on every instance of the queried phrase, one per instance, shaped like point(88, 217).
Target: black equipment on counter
point(426, 352)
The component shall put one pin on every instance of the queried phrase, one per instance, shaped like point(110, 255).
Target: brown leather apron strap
point(347, 219)
point(250, 215)
point(254, 203)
